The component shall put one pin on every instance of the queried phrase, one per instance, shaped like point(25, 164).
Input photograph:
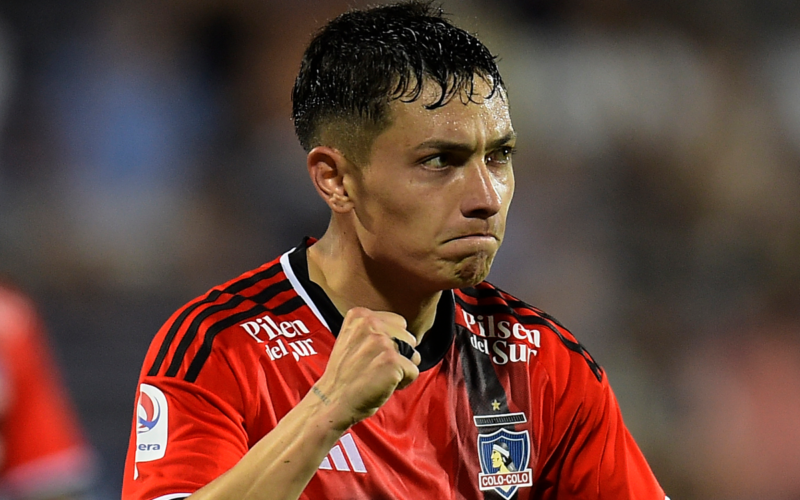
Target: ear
point(328, 169)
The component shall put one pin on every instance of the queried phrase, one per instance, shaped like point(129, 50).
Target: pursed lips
point(474, 235)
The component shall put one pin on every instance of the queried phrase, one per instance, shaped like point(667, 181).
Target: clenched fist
point(366, 365)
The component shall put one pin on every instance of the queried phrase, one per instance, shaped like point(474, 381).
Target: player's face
point(432, 202)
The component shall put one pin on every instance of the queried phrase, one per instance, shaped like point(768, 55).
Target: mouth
point(481, 236)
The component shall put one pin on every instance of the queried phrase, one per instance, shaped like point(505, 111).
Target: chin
point(473, 269)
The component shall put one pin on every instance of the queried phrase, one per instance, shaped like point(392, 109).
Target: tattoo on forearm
point(320, 395)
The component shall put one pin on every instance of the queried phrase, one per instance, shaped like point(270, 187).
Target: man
point(375, 363)
point(43, 453)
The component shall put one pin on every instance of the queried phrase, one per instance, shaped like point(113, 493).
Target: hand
point(365, 366)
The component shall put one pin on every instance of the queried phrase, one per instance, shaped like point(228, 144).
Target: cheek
point(391, 212)
point(410, 202)
point(505, 185)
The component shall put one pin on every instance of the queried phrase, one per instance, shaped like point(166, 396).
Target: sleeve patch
point(152, 421)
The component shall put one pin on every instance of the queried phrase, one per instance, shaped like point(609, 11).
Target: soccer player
point(43, 453)
point(375, 362)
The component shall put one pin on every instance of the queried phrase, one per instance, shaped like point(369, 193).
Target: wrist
point(328, 411)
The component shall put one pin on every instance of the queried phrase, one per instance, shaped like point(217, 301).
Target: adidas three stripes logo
point(344, 457)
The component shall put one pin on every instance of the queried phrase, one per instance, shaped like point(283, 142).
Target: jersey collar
point(435, 343)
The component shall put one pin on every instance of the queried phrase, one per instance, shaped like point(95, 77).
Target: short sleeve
point(183, 437)
point(594, 456)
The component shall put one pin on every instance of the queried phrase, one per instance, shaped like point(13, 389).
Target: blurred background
point(657, 212)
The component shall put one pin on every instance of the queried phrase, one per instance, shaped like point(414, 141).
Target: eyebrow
point(445, 145)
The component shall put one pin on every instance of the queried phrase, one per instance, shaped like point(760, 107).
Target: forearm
point(282, 463)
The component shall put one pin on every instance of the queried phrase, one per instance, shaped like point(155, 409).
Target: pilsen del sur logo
point(504, 457)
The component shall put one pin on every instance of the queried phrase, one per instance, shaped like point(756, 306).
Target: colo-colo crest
point(504, 457)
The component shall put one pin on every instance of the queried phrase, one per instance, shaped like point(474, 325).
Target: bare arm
point(364, 370)
point(281, 464)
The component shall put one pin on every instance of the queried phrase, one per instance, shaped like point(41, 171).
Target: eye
point(501, 156)
point(437, 162)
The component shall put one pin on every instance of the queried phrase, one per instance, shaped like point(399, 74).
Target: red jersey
point(507, 404)
point(42, 449)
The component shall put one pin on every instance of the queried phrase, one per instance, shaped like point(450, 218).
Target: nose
point(482, 193)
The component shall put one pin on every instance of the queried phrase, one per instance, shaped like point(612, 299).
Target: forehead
point(465, 117)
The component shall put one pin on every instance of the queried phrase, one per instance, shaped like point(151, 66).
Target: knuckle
point(378, 337)
point(392, 359)
point(357, 312)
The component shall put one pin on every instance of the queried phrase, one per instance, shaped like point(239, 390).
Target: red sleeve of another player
point(183, 437)
point(44, 445)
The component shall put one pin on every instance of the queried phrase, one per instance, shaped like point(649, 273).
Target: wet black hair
point(361, 61)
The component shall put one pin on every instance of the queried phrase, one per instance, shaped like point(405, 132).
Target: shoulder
point(488, 311)
point(188, 338)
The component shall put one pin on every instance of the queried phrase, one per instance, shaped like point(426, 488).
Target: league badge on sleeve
point(504, 457)
point(151, 424)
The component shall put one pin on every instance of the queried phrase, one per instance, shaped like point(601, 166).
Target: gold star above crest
point(495, 405)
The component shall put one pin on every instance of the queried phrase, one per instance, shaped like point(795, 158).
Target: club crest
point(504, 457)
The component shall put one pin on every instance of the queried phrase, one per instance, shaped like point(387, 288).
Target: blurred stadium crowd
point(146, 154)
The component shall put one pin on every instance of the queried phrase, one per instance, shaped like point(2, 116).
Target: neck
point(350, 279)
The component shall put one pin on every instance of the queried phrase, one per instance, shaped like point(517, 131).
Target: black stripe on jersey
point(205, 350)
point(234, 302)
point(234, 288)
point(480, 378)
point(498, 294)
point(483, 387)
point(540, 319)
